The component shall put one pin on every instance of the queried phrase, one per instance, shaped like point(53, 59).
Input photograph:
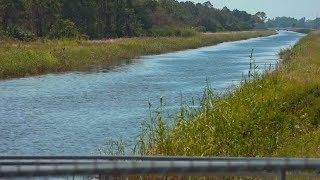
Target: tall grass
point(274, 114)
point(19, 59)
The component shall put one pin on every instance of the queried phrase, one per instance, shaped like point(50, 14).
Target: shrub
point(18, 33)
point(188, 32)
point(201, 29)
point(2, 34)
point(63, 29)
point(160, 32)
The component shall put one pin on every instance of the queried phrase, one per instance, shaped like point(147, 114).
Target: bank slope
point(20, 59)
point(277, 114)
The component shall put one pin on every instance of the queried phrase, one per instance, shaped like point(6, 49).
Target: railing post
point(106, 177)
point(282, 175)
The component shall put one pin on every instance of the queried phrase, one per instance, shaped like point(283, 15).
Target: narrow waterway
point(75, 113)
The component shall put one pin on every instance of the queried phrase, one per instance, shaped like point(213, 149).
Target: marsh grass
point(19, 59)
point(273, 114)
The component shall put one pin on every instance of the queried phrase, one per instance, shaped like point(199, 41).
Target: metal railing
point(126, 166)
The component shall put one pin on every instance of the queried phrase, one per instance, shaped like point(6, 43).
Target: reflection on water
point(74, 113)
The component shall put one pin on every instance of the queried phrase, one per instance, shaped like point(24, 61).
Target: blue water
point(76, 113)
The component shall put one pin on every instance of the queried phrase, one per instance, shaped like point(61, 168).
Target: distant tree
point(63, 29)
point(160, 18)
point(316, 23)
point(302, 22)
point(42, 15)
point(286, 22)
point(270, 23)
point(242, 15)
point(118, 18)
point(208, 4)
point(225, 9)
point(11, 12)
point(262, 16)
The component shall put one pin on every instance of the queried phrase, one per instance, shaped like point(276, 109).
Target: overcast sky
point(294, 8)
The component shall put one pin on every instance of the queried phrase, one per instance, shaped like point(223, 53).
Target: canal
point(76, 113)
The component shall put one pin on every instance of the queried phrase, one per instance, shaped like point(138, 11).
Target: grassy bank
point(19, 59)
point(302, 30)
point(276, 114)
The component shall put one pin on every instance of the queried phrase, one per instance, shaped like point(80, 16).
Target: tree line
point(96, 19)
point(289, 22)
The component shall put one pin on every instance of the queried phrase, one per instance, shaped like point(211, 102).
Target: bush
point(201, 29)
point(2, 34)
point(18, 33)
point(188, 32)
point(63, 29)
point(160, 32)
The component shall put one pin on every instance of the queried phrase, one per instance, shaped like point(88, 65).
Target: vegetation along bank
point(19, 58)
point(98, 19)
point(275, 114)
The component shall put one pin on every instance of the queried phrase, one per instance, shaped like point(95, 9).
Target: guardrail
point(130, 166)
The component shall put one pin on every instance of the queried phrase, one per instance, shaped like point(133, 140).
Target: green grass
point(276, 114)
point(302, 30)
point(19, 59)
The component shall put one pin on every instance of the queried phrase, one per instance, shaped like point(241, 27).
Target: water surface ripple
point(75, 113)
